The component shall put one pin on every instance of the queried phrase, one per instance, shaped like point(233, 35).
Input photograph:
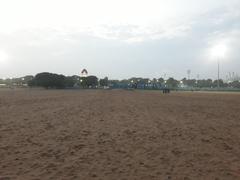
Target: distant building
point(84, 73)
point(3, 85)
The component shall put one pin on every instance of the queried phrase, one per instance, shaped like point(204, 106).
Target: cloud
point(3, 56)
point(112, 37)
point(138, 34)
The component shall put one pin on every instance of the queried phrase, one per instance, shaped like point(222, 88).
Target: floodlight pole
point(218, 84)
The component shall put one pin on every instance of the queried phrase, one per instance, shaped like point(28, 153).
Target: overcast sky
point(119, 38)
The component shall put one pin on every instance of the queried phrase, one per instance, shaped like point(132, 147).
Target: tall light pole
point(188, 73)
point(218, 52)
point(218, 84)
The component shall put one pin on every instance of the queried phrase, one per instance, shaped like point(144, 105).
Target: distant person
point(166, 91)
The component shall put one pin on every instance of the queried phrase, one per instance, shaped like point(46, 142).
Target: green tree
point(48, 80)
point(215, 83)
point(91, 81)
point(172, 83)
point(235, 84)
point(103, 82)
point(69, 81)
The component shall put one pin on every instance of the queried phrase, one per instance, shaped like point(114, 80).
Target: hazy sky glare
point(118, 38)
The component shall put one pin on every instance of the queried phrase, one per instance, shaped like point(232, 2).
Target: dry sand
point(118, 134)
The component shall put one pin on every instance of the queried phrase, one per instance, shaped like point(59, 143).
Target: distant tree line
point(145, 83)
point(59, 81)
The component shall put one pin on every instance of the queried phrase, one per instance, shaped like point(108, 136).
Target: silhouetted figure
point(166, 91)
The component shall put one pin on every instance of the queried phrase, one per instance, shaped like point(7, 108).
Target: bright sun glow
point(219, 51)
point(3, 56)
